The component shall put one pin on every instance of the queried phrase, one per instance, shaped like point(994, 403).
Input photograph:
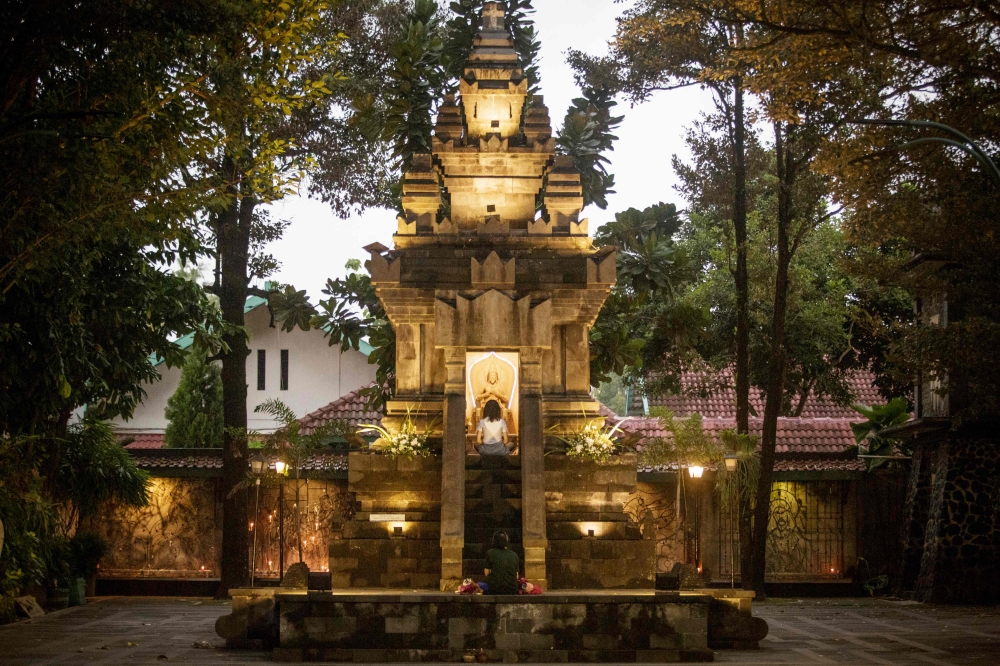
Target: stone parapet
point(399, 548)
point(593, 543)
point(595, 627)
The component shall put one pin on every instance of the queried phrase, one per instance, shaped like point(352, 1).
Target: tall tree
point(664, 45)
point(194, 411)
point(936, 61)
point(642, 311)
point(250, 81)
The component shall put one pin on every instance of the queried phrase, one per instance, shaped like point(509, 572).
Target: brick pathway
point(811, 631)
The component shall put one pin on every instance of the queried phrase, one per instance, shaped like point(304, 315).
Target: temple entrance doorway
point(491, 375)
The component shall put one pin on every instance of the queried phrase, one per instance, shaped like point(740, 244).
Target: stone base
point(731, 624)
point(571, 627)
point(952, 529)
point(253, 623)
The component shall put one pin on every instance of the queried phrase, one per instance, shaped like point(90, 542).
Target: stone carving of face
point(492, 377)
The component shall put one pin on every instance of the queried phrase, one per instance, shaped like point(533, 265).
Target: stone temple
point(492, 287)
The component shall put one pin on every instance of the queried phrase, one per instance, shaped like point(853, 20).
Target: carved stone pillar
point(532, 443)
point(453, 470)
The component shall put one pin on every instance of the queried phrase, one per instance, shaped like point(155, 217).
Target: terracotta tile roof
point(143, 440)
point(210, 459)
point(178, 458)
point(351, 408)
point(847, 465)
point(713, 395)
point(821, 465)
point(796, 436)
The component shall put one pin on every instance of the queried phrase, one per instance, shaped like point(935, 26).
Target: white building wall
point(318, 374)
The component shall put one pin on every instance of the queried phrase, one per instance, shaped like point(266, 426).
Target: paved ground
point(863, 631)
point(810, 631)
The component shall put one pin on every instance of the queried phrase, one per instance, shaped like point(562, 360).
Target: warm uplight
point(251, 527)
point(696, 471)
point(397, 530)
point(590, 529)
point(280, 467)
point(833, 571)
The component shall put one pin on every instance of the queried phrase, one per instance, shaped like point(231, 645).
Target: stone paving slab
point(123, 630)
point(868, 631)
point(810, 631)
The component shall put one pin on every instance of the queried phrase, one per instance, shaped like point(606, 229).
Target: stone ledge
point(560, 627)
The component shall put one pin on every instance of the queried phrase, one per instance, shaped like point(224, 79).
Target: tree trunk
point(742, 280)
point(233, 238)
point(742, 368)
point(776, 363)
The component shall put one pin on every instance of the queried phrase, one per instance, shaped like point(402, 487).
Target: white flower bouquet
point(405, 441)
point(595, 441)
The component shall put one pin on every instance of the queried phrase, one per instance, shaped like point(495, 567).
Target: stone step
point(492, 476)
point(483, 536)
point(492, 523)
point(492, 506)
point(492, 462)
point(492, 490)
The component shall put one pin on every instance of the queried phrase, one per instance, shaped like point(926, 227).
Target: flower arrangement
point(405, 441)
point(595, 441)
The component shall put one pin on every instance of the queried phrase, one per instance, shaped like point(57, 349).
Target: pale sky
point(318, 244)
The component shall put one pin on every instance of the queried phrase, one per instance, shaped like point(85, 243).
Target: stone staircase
point(492, 503)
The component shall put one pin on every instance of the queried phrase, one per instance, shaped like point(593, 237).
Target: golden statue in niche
point(491, 376)
point(492, 379)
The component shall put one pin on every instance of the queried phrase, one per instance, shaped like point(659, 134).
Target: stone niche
point(593, 542)
point(393, 539)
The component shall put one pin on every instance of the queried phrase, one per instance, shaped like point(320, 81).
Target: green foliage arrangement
point(95, 469)
point(194, 411)
point(641, 313)
point(46, 489)
point(586, 136)
point(879, 417)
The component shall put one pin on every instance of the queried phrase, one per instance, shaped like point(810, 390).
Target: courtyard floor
point(129, 630)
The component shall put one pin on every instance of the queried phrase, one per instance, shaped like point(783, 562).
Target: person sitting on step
point(491, 433)
point(502, 567)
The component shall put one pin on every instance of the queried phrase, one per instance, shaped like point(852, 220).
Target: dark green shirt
point(504, 567)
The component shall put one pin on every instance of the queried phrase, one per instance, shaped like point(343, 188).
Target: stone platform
point(440, 627)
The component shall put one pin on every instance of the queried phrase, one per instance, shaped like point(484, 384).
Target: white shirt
point(493, 431)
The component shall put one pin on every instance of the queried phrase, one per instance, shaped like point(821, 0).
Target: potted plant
point(86, 551)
